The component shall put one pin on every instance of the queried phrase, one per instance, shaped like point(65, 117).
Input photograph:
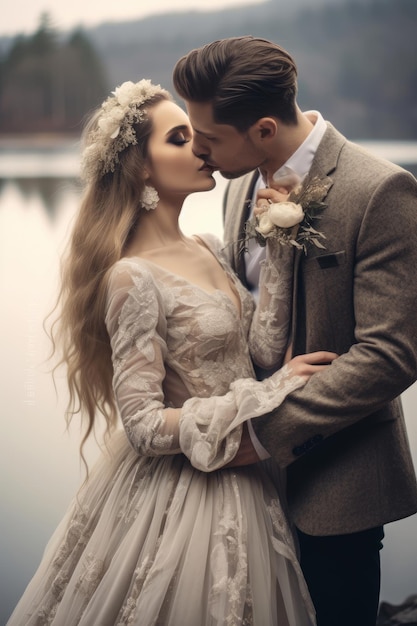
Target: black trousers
point(343, 575)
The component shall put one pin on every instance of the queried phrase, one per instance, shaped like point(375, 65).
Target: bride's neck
point(156, 228)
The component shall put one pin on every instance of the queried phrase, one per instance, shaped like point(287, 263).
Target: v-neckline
point(230, 277)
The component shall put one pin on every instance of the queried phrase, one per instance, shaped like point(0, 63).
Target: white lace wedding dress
point(160, 535)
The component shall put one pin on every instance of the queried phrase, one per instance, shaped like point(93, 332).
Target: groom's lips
point(211, 165)
point(208, 166)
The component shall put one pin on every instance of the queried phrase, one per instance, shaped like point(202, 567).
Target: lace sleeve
point(137, 335)
point(270, 328)
point(211, 428)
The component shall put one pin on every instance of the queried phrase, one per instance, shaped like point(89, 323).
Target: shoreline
point(39, 140)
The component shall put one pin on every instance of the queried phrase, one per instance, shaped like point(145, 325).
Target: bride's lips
point(206, 167)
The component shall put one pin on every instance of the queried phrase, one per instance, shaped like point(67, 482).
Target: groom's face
point(222, 146)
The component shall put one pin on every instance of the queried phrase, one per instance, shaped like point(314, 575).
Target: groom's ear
point(264, 129)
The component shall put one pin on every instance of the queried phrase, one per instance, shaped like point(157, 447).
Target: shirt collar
point(301, 160)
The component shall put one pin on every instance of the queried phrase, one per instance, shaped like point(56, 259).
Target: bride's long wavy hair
point(107, 218)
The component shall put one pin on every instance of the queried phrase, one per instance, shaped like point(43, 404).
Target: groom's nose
point(200, 149)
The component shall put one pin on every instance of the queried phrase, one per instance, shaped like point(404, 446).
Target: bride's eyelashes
point(179, 139)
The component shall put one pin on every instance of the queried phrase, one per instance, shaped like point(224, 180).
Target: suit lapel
point(324, 164)
point(295, 338)
point(327, 155)
point(238, 199)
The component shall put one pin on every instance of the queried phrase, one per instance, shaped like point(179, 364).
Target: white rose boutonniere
point(265, 224)
point(290, 222)
point(285, 214)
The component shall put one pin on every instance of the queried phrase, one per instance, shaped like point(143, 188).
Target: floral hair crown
point(113, 130)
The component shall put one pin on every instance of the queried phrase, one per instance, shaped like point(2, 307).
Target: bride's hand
point(268, 196)
point(309, 364)
point(279, 186)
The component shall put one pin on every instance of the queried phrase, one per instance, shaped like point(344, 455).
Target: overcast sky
point(22, 16)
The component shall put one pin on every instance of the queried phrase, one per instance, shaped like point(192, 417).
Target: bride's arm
point(270, 327)
point(211, 428)
point(137, 331)
point(207, 430)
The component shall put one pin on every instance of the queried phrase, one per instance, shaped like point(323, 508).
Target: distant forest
point(357, 62)
point(48, 84)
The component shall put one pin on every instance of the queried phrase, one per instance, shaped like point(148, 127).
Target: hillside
point(357, 59)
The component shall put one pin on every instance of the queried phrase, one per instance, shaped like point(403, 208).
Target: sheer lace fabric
point(270, 329)
point(156, 537)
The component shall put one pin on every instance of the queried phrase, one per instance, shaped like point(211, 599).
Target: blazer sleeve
point(382, 361)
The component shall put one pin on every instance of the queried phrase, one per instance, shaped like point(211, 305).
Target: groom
point(342, 436)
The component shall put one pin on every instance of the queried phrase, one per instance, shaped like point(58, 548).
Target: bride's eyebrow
point(180, 127)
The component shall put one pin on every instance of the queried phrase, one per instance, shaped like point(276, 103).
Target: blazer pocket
point(325, 261)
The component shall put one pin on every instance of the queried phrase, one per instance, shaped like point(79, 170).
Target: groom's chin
point(233, 175)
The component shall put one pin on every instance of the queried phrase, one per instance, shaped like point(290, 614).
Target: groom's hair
point(244, 78)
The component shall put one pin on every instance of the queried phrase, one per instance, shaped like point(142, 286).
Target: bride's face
point(172, 168)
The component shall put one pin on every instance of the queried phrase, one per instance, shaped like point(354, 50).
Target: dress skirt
point(153, 541)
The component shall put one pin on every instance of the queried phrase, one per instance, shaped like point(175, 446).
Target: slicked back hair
point(244, 78)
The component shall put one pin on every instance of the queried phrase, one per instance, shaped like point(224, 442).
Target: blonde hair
point(107, 218)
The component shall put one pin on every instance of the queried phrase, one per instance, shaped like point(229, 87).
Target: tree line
point(357, 62)
point(47, 83)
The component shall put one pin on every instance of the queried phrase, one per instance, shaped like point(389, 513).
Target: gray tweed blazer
point(342, 436)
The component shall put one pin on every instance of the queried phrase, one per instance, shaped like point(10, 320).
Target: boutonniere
point(290, 222)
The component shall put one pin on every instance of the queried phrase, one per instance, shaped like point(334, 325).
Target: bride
point(158, 338)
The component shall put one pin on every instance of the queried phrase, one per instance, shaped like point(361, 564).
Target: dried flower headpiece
point(113, 130)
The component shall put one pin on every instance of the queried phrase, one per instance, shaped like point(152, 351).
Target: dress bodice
point(177, 346)
point(203, 332)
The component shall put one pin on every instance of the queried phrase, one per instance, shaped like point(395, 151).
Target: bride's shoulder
point(131, 290)
point(129, 272)
point(212, 242)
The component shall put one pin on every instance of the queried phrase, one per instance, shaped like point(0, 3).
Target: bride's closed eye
point(179, 139)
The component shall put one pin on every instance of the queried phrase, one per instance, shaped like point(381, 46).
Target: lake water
point(39, 463)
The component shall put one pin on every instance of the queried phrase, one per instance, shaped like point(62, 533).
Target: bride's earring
point(150, 198)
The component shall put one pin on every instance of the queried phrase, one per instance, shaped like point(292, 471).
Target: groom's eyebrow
point(201, 132)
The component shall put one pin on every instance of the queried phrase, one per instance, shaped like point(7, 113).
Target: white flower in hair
point(114, 130)
point(127, 92)
point(111, 125)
